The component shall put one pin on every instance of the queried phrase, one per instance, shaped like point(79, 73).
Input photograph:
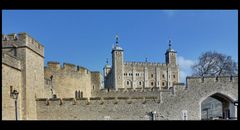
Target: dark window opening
point(11, 89)
point(15, 51)
point(152, 83)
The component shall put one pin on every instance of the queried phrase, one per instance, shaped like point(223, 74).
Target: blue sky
point(85, 37)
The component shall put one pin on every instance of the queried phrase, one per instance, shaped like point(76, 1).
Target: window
point(81, 94)
point(163, 75)
point(163, 84)
point(151, 83)
point(11, 89)
point(127, 82)
point(174, 76)
point(76, 94)
point(152, 75)
point(140, 83)
point(15, 51)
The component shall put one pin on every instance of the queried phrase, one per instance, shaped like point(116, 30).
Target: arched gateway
point(218, 106)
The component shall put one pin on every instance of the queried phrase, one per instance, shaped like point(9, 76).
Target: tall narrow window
point(81, 94)
point(15, 51)
point(174, 76)
point(152, 75)
point(151, 83)
point(76, 94)
point(140, 83)
point(163, 75)
point(127, 82)
point(11, 89)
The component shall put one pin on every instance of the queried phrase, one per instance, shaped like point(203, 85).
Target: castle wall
point(96, 81)
point(31, 54)
point(70, 78)
point(170, 106)
point(96, 109)
point(11, 71)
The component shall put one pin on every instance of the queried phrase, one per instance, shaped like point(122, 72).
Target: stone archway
point(218, 106)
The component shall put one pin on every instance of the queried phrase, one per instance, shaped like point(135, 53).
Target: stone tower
point(31, 54)
point(117, 66)
point(170, 55)
point(106, 69)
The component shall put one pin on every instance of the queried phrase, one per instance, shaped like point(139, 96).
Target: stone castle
point(138, 75)
point(131, 90)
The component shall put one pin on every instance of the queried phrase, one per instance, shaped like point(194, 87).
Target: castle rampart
point(22, 40)
point(129, 104)
point(69, 80)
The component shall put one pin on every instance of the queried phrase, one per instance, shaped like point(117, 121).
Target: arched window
point(151, 83)
point(140, 83)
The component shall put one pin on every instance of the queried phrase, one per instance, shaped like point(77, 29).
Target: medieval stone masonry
point(125, 91)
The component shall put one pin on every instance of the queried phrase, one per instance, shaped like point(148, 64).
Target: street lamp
point(15, 96)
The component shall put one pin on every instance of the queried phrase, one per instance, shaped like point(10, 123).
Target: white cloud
point(185, 68)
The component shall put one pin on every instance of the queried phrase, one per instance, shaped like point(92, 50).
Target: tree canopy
point(214, 64)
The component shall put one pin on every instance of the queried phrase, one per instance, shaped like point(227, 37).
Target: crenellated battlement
point(144, 63)
point(66, 67)
point(98, 100)
point(212, 79)
point(22, 40)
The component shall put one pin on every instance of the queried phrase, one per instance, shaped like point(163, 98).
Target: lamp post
point(15, 96)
